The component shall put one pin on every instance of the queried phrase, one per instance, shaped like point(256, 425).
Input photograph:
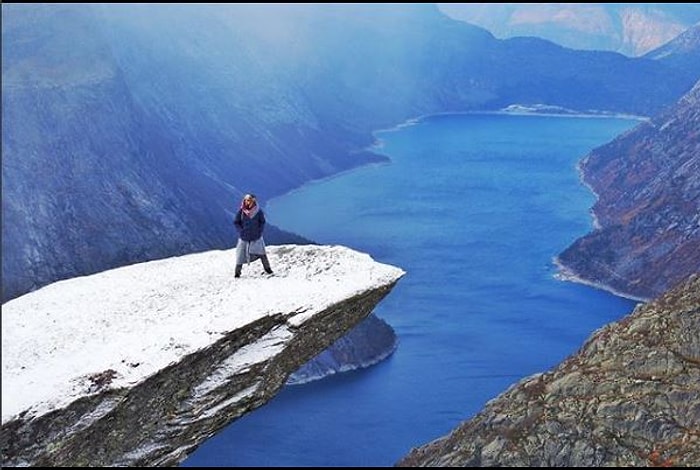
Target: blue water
point(474, 208)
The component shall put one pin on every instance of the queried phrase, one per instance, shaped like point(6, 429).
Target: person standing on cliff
point(250, 223)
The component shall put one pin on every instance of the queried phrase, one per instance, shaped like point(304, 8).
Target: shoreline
point(582, 179)
point(325, 179)
point(567, 274)
point(556, 111)
point(524, 111)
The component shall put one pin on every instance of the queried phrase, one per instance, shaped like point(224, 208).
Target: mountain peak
point(688, 42)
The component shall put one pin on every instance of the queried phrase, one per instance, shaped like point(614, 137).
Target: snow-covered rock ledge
point(139, 365)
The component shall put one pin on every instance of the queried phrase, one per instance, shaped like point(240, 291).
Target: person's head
point(249, 201)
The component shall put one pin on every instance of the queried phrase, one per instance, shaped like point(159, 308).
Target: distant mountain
point(632, 29)
point(648, 210)
point(681, 48)
point(130, 131)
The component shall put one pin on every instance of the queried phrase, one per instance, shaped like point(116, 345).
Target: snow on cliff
point(137, 319)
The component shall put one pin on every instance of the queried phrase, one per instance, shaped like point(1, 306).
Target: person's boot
point(266, 264)
point(238, 270)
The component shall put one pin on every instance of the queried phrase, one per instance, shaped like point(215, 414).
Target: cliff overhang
point(111, 418)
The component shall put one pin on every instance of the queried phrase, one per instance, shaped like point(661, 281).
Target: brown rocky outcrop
point(648, 210)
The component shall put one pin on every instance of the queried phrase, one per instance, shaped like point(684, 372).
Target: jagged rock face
point(629, 397)
point(164, 418)
point(648, 208)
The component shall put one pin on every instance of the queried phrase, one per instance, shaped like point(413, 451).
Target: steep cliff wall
point(648, 208)
point(629, 397)
point(139, 365)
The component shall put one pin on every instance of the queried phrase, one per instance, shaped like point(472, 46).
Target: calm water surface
point(474, 208)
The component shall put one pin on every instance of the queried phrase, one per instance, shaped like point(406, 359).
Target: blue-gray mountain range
point(633, 29)
point(130, 131)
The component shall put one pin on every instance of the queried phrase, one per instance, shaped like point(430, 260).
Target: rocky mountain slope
point(629, 398)
point(648, 209)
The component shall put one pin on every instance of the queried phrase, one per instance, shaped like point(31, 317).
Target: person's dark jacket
point(249, 228)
